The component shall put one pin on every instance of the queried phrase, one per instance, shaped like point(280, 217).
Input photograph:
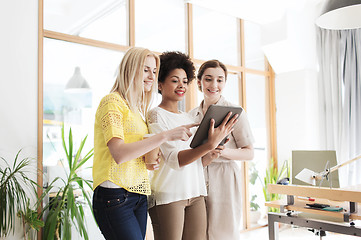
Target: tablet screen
point(218, 113)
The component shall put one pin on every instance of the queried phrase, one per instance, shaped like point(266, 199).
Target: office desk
point(338, 222)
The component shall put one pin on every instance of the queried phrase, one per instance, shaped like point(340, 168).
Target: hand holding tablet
point(218, 113)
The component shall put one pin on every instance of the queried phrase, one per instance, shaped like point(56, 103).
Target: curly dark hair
point(173, 60)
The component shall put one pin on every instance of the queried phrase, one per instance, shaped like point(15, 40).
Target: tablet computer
point(218, 113)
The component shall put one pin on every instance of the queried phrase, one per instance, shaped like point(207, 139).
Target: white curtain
point(339, 55)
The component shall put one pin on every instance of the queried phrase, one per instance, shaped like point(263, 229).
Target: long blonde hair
point(129, 81)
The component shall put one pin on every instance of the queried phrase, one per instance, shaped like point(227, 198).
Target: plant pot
point(254, 216)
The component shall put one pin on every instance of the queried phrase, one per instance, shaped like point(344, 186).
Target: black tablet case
point(218, 113)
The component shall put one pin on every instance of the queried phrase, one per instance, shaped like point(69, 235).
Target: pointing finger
point(188, 126)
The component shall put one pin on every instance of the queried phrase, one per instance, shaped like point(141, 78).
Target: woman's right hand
point(180, 133)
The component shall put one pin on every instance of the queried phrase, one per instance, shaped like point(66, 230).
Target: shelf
point(300, 206)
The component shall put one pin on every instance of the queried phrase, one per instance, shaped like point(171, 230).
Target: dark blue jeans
point(121, 215)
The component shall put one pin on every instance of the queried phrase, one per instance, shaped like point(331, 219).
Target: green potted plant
point(254, 205)
point(64, 211)
point(271, 177)
point(255, 213)
point(15, 187)
point(31, 221)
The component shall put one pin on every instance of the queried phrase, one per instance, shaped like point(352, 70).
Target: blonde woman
point(223, 176)
point(121, 183)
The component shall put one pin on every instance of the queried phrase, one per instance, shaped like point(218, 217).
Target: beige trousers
point(224, 201)
point(180, 220)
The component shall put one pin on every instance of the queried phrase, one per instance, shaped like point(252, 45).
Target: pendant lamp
point(77, 82)
point(340, 15)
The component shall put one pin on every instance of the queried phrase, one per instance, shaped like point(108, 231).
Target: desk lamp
point(310, 177)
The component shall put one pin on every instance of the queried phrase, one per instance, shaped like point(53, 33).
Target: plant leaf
point(15, 187)
point(79, 152)
point(63, 141)
point(71, 212)
point(50, 224)
point(70, 156)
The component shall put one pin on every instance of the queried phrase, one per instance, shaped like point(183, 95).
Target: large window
point(65, 62)
point(215, 36)
point(256, 111)
point(160, 25)
point(104, 20)
point(254, 57)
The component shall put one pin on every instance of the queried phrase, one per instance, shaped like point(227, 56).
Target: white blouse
point(171, 182)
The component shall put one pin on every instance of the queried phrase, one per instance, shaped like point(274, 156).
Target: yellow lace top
point(114, 119)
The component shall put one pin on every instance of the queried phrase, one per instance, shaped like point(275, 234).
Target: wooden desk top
point(334, 194)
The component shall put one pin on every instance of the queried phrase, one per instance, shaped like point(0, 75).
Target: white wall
point(18, 75)
point(18, 79)
point(290, 46)
point(297, 114)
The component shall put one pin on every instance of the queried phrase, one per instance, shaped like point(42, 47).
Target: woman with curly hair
point(176, 204)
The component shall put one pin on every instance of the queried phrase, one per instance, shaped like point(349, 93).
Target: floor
point(293, 233)
point(286, 232)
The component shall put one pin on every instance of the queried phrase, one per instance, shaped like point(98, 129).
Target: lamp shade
point(77, 82)
point(340, 14)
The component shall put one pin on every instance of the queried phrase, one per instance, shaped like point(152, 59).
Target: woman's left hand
point(214, 154)
point(154, 166)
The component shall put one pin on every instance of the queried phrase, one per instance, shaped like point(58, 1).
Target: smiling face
point(212, 83)
point(174, 86)
point(150, 69)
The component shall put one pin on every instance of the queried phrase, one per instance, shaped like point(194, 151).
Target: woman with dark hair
point(176, 204)
point(223, 176)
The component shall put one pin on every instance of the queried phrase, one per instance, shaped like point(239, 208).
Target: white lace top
point(173, 183)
